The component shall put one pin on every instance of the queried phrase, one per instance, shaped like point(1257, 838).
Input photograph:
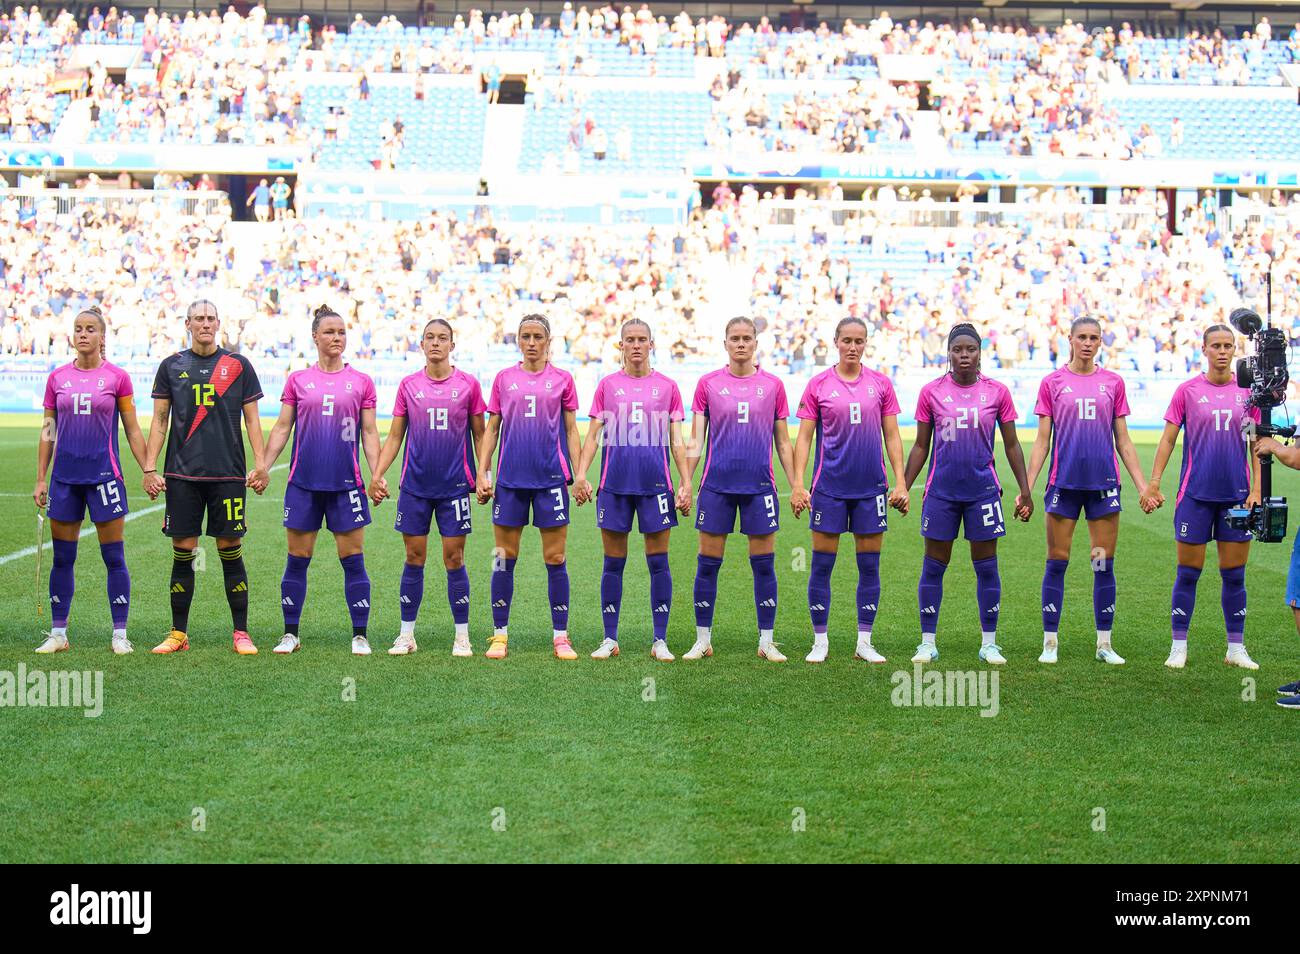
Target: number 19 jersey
point(438, 459)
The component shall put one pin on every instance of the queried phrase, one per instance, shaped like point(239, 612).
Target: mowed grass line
point(589, 761)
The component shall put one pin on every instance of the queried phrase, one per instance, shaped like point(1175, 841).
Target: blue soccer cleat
point(1289, 702)
point(1290, 689)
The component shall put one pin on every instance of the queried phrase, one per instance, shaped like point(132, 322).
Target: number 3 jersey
point(207, 394)
point(438, 459)
point(327, 426)
point(533, 453)
point(741, 416)
point(965, 421)
point(1216, 467)
point(850, 461)
point(84, 403)
point(1083, 409)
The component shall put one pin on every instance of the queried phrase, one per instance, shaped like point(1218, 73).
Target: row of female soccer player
point(848, 425)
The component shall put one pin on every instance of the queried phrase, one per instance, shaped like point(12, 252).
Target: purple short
point(849, 515)
point(341, 510)
point(415, 514)
point(69, 502)
point(981, 519)
point(550, 506)
point(1095, 504)
point(716, 513)
point(1200, 521)
point(654, 512)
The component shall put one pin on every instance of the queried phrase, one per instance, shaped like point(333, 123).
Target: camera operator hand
point(1287, 455)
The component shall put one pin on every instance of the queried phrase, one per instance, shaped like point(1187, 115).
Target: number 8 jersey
point(438, 459)
point(1083, 409)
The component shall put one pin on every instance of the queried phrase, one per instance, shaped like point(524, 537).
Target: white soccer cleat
point(769, 652)
point(867, 652)
point(289, 644)
point(992, 654)
point(54, 644)
point(360, 646)
point(1048, 655)
point(659, 651)
point(607, 648)
point(821, 649)
point(1177, 656)
point(700, 650)
point(1237, 656)
point(122, 646)
point(460, 646)
point(926, 653)
point(404, 646)
point(1109, 656)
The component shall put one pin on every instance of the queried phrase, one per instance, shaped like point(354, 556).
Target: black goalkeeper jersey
point(208, 395)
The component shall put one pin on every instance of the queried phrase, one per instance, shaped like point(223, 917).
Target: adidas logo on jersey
point(120, 601)
point(184, 376)
point(835, 394)
point(287, 601)
point(513, 387)
point(1067, 390)
point(1203, 400)
point(67, 384)
point(726, 391)
point(620, 393)
point(947, 399)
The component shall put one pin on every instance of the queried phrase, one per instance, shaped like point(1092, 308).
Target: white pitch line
point(87, 531)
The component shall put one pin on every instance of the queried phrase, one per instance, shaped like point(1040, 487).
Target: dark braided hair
point(320, 314)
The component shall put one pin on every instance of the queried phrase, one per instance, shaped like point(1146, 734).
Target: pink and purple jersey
point(85, 429)
point(533, 453)
point(850, 457)
point(438, 460)
point(1083, 409)
point(965, 421)
point(635, 414)
point(327, 426)
point(741, 415)
point(1216, 467)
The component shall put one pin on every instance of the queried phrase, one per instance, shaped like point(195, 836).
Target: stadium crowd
point(1022, 282)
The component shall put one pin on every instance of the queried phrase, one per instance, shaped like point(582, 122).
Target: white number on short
point(1087, 408)
point(81, 404)
point(663, 503)
point(855, 412)
point(991, 513)
point(1221, 423)
point(742, 412)
point(462, 508)
point(327, 406)
point(437, 418)
point(559, 498)
point(880, 505)
point(532, 405)
point(636, 415)
point(109, 492)
point(355, 497)
point(769, 501)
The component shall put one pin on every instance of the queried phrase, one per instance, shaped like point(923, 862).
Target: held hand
point(900, 500)
point(483, 488)
point(378, 490)
point(581, 491)
point(800, 500)
point(41, 494)
point(154, 484)
point(684, 499)
point(1024, 507)
point(258, 480)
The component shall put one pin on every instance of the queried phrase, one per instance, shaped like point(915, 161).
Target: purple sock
point(1233, 599)
point(868, 590)
point(819, 590)
point(411, 591)
point(611, 594)
point(988, 593)
point(457, 594)
point(62, 582)
point(356, 589)
point(1103, 594)
point(1184, 600)
point(706, 588)
point(557, 589)
point(1053, 594)
point(764, 568)
point(293, 591)
point(661, 592)
point(119, 582)
point(503, 590)
point(929, 594)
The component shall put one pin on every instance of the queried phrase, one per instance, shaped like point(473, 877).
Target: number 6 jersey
point(207, 394)
point(1083, 409)
point(438, 459)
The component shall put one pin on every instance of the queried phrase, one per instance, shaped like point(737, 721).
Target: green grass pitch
point(207, 756)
